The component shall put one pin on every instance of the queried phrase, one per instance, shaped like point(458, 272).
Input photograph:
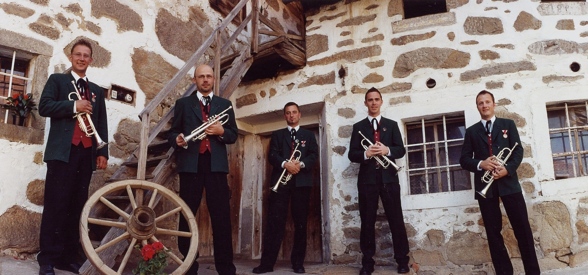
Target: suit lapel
point(481, 131)
point(367, 130)
point(496, 129)
point(196, 107)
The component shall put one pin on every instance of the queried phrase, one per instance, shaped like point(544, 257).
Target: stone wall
point(524, 52)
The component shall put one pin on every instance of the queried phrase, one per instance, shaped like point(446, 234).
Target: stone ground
point(12, 266)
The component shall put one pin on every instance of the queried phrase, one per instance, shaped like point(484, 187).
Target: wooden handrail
point(192, 60)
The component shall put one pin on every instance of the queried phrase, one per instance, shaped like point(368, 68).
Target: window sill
point(21, 134)
point(438, 200)
point(417, 23)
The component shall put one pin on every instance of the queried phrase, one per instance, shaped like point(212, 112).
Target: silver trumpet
point(488, 178)
point(200, 132)
point(286, 176)
point(85, 120)
point(384, 161)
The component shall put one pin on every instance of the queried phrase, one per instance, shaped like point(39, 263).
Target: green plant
point(154, 259)
point(21, 104)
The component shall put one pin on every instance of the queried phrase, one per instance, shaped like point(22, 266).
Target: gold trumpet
point(85, 120)
point(382, 160)
point(285, 177)
point(200, 132)
point(488, 178)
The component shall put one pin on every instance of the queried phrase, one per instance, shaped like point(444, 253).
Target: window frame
point(437, 146)
point(15, 55)
point(576, 155)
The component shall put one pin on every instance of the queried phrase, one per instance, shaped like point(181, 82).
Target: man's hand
point(377, 149)
point(293, 167)
point(489, 164)
point(215, 129)
point(499, 172)
point(180, 141)
point(83, 106)
point(101, 162)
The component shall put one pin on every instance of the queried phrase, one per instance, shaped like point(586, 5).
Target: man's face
point(373, 102)
point(485, 106)
point(292, 115)
point(80, 58)
point(204, 79)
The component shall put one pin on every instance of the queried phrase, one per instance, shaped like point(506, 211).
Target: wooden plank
point(142, 165)
point(255, 26)
point(273, 33)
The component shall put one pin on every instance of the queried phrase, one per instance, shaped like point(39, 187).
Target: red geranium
point(154, 259)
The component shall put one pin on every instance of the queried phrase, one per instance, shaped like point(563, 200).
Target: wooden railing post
point(255, 26)
point(142, 158)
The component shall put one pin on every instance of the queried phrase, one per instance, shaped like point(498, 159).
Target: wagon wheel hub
point(141, 224)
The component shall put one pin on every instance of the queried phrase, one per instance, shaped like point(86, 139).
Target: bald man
point(203, 164)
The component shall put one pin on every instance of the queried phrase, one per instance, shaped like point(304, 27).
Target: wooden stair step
point(158, 146)
point(111, 180)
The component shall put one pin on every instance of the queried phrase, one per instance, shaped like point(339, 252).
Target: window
point(433, 150)
point(13, 79)
point(568, 132)
point(417, 8)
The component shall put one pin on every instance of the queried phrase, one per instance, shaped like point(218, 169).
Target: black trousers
point(218, 200)
point(66, 192)
point(298, 198)
point(369, 195)
point(516, 209)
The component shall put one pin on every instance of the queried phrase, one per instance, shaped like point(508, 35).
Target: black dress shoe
point(46, 270)
point(365, 271)
point(262, 269)
point(403, 268)
point(71, 267)
point(299, 269)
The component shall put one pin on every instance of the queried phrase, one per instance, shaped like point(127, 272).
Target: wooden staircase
point(152, 159)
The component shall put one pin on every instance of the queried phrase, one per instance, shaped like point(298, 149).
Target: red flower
point(26, 97)
point(157, 246)
point(147, 252)
point(15, 95)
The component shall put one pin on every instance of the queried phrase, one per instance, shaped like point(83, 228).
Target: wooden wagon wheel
point(138, 225)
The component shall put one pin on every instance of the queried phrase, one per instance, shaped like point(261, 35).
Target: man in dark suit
point(203, 164)
point(71, 156)
point(295, 192)
point(376, 182)
point(481, 143)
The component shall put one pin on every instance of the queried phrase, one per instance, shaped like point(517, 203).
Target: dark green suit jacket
point(187, 117)
point(280, 150)
point(476, 148)
point(389, 136)
point(55, 104)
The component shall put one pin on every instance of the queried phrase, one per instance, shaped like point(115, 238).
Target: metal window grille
point(433, 150)
point(568, 132)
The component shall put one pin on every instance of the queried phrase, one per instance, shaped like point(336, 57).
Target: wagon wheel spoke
point(168, 252)
point(115, 208)
point(131, 196)
point(125, 260)
point(168, 214)
point(114, 241)
point(107, 223)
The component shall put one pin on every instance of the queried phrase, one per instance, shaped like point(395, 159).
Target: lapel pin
point(504, 135)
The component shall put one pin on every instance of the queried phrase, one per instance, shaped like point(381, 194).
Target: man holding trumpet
point(203, 164)
point(293, 154)
point(72, 152)
point(496, 180)
point(375, 143)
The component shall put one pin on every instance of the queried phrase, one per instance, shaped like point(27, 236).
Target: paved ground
point(11, 266)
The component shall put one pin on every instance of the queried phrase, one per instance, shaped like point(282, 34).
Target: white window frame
point(573, 152)
point(11, 76)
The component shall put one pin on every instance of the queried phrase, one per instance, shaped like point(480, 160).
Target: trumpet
point(488, 178)
point(85, 120)
point(285, 177)
point(384, 161)
point(200, 132)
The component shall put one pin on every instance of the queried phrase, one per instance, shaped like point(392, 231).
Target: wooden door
point(235, 154)
point(314, 250)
